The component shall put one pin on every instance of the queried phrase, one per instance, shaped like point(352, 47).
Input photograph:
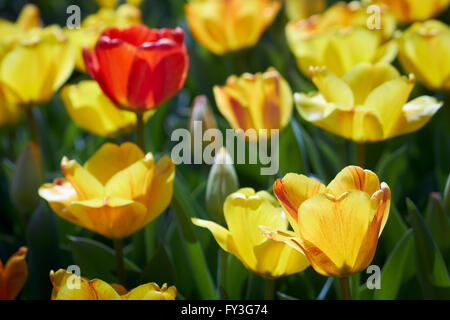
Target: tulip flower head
point(407, 11)
point(244, 212)
point(138, 68)
point(369, 103)
point(67, 286)
point(339, 39)
point(302, 9)
point(117, 192)
point(424, 50)
point(13, 275)
point(223, 26)
point(335, 226)
point(260, 101)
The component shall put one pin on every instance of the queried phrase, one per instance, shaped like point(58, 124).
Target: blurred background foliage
point(416, 166)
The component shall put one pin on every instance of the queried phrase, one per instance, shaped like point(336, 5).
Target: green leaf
point(447, 195)
point(97, 260)
point(438, 223)
point(159, 269)
point(292, 144)
point(236, 278)
point(393, 273)
point(184, 208)
point(391, 166)
point(431, 269)
point(394, 230)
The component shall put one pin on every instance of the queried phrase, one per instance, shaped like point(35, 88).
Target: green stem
point(32, 125)
point(345, 288)
point(120, 269)
point(269, 289)
point(140, 130)
point(361, 154)
point(223, 256)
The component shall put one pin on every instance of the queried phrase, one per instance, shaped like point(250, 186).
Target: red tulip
point(138, 68)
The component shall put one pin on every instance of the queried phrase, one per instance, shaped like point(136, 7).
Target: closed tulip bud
point(44, 56)
point(302, 9)
point(13, 275)
point(335, 226)
point(259, 101)
point(228, 25)
point(369, 103)
point(26, 180)
point(407, 11)
point(88, 106)
point(117, 192)
point(222, 181)
point(201, 112)
point(68, 286)
point(424, 51)
point(340, 38)
point(153, 65)
point(245, 212)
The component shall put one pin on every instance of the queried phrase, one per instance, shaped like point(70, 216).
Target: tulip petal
point(288, 237)
point(85, 184)
point(333, 88)
point(112, 158)
point(334, 229)
point(114, 218)
point(13, 275)
point(354, 178)
point(151, 291)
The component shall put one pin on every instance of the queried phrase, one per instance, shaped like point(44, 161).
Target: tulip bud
point(201, 111)
point(222, 181)
point(26, 180)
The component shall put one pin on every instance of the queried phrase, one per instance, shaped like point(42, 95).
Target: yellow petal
point(335, 229)
point(354, 178)
point(151, 291)
point(288, 237)
point(13, 275)
point(85, 184)
point(333, 88)
point(114, 218)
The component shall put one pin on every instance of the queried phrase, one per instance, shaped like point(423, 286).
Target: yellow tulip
point(302, 9)
point(117, 191)
point(10, 113)
point(424, 49)
point(340, 38)
point(229, 25)
point(369, 103)
point(65, 288)
point(244, 212)
point(88, 106)
point(13, 275)
point(260, 101)
point(93, 26)
point(29, 18)
point(407, 11)
point(107, 3)
point(337, 226)
point(34, 64)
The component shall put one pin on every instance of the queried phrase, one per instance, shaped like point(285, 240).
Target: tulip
point(370, 103)
point(201, 112)
point(425, 51)
point(340, 38)
point(407, 11)
point(34, 64)
point(302, 9)
point(29, 18)
point(138, 68)
point(228, 25)
point(68, 286)
point(88, 106)
point(260, 101)
point(107, 3)
point(13, 275)
point(10, 113)
point(117, 192)
point(337, 226)
point(92, 27)
point(244, 212)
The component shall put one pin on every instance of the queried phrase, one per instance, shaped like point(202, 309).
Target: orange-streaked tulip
point(29, 18)
point(138, 68)
point(244, 212)
point(369, 103)
point(337, 226)
point(117, 191)
point(407, 11)
point(302, 9)
point(424, 50)
point(259, 101)
point(13, 275)
point(65, 288)
point(35, 63)
point(340, 38)
point(228, 25)
point(88, 106)
point(94, 24)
